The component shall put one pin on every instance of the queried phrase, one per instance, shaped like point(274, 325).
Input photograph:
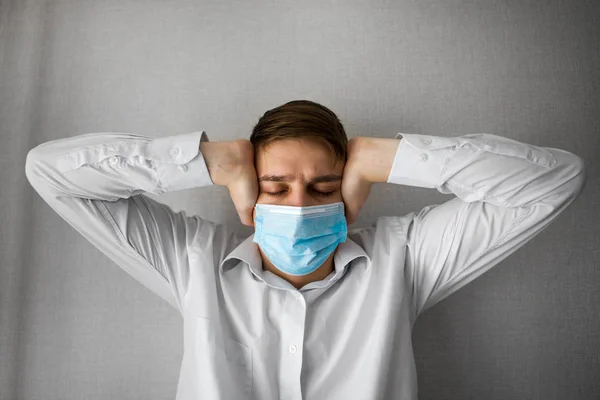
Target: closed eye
point(316, 191)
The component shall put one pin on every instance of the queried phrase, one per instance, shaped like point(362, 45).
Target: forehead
point(299, 157)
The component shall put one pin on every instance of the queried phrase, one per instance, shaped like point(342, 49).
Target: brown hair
point(301, 119)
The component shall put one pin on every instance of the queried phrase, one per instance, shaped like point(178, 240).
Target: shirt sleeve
point(96, 183)
point(506, 193)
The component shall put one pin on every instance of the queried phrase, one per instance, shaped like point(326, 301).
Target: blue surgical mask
point(298, 240)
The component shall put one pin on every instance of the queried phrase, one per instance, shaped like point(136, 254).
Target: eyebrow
point(289, 178)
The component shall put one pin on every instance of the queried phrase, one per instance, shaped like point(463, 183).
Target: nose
point(300, 198)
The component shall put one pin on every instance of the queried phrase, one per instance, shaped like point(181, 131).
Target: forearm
point(227, 160)
point(109, 166)
point(490, 168)
point(374, 157)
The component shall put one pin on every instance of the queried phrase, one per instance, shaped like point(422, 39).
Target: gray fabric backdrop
point(75, 326)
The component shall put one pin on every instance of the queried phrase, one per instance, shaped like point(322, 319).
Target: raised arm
point(506, 193)
point(96, 182)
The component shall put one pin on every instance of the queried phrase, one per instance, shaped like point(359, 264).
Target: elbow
point(33, 167)
point(576, 178)
point(570, 177)
point(579, 175)
point(30, 161)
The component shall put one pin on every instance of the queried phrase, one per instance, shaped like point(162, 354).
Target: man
point(303, 308)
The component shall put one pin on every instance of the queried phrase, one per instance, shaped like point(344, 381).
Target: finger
point(245, 214)
point(356, 196)
point(244, 211)
point(244, 193)
point(349, 209)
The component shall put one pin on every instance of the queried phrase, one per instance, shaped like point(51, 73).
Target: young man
point(303, 308)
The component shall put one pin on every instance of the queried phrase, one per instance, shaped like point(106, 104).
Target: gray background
point(75, 326)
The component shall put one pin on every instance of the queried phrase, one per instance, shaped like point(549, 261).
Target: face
point(298, 172)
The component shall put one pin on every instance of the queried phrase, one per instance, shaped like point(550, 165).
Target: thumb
point(355, 193)
point(244, 193)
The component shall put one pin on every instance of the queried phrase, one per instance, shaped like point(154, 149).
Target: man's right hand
point(231, 164)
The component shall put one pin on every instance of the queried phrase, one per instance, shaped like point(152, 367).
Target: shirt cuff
point(178, 161)
point(420, 159)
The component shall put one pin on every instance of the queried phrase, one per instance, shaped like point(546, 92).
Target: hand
point(369, 160)
point(231, 164)
point(355, 188)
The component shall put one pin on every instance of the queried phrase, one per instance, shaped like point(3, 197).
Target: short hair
point(301, 119)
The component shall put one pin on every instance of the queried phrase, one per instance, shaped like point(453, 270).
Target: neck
point(299, 281)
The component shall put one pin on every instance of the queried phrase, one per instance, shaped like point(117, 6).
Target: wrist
point(226, 160)
point(373, 157)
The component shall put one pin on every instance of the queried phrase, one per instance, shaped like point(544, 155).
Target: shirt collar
point(247, 251)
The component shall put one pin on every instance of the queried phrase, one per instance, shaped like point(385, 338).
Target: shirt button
point(183, 168)
point(423, 157)
point(292, 349)
point(114, 160)
point(426, 141)
point(174, 151)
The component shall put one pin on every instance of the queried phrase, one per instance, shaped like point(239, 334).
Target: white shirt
point(249, 334)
